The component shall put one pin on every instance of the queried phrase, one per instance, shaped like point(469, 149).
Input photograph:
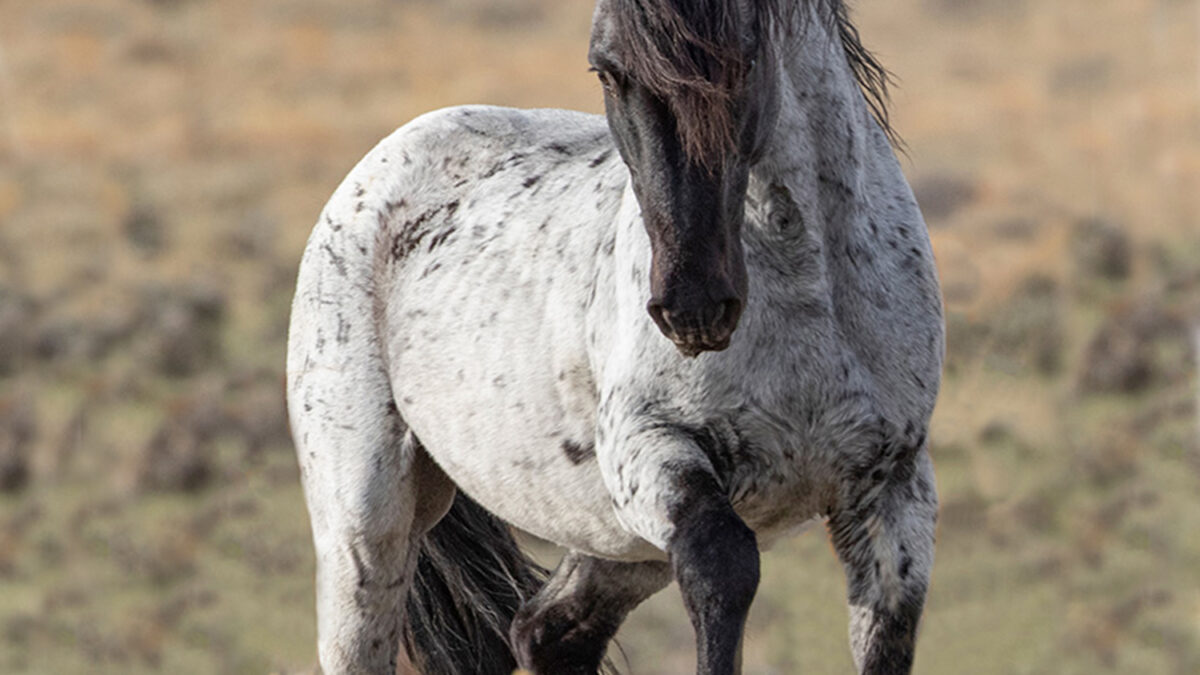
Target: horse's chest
point(783, 420)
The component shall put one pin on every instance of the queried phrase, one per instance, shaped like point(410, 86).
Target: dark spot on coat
point(919, 381)
point(338, 261)
point(441, 237)
point(531, 181)
point(413, 232)
point(576, 453)
point(600, 159)
point(512, 160)
point(404, 242)
point(836, 184)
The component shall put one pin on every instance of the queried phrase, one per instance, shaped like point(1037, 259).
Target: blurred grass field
point(161, 164)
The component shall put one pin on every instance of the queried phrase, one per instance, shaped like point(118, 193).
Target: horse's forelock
point(692, 53)
point(695, 54)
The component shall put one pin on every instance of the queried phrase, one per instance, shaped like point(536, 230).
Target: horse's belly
point(489, 367)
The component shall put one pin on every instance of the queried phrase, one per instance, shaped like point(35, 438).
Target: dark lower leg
point(715, 558)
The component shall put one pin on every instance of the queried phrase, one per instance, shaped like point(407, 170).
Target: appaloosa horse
point(661, 340)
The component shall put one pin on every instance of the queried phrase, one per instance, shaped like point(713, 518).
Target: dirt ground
point(161, 164)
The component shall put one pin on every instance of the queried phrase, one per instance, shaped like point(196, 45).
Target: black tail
point(471, 578)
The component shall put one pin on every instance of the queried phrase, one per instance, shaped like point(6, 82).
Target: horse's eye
point(608, 81)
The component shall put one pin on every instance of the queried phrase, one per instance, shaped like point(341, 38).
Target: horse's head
point(690, 98)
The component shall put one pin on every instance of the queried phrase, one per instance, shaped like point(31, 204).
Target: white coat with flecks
point(474, 294)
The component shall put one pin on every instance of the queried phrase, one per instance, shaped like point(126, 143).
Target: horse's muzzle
point(707, 328)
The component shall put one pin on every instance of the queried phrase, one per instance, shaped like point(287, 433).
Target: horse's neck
point(828, 151)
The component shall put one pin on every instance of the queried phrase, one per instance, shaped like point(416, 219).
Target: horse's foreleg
point(565, 629)
point(665, 489)
point(715, 559)
point(885, 542)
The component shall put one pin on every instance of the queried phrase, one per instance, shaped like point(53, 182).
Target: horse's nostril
point(659, 315)
point(731, 311)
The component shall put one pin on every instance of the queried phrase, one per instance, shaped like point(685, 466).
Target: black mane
point(873, 78)
point(695, 54)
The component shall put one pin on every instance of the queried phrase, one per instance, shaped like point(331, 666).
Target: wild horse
point(662, 340)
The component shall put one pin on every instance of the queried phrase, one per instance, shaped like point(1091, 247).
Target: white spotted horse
point(663, 339)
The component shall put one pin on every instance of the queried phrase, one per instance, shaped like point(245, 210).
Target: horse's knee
point(553, 631)
point(566, 627)
point(715, 559)
point(883, 639)
point(887, 552)
point(560, 637)
point(668, 493)
point(714, 554)
point(886, 597)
